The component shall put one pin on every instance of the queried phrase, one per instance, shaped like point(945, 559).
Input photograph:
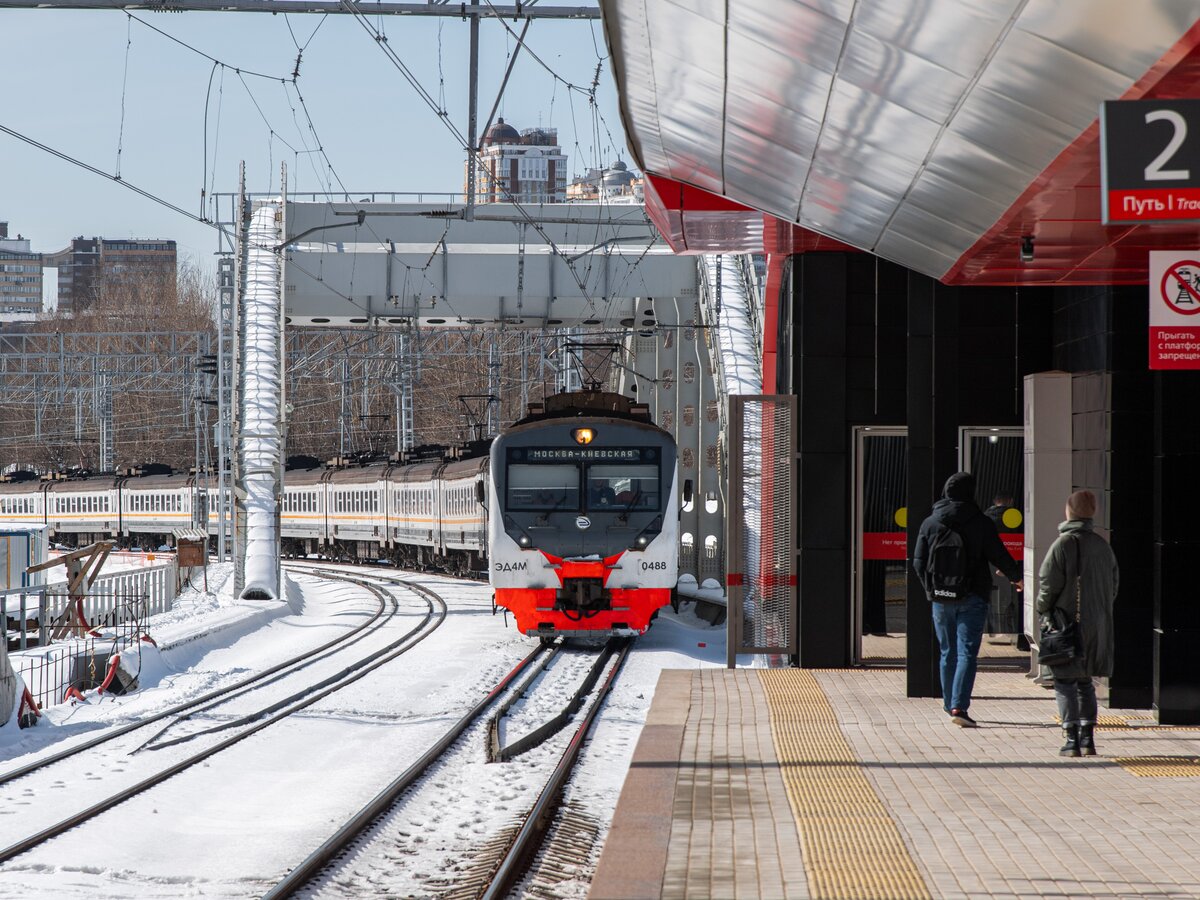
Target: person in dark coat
point(959, 623)
point(1078, 549)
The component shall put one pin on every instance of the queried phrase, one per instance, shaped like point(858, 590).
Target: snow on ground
point(232, 826)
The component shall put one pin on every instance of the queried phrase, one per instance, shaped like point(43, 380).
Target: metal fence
point(80, 662)
point(37, 620)
point(761, 528)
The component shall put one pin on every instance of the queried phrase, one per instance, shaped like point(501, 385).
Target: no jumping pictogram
point(1180, 288)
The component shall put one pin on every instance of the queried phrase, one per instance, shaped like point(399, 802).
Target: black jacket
point(958, 509)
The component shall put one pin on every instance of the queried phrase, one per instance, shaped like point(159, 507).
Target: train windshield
point(541, 488)
point(623, 487)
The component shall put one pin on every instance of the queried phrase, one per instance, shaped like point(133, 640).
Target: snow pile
point(260, 382)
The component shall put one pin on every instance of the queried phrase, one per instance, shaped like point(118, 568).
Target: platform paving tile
point(986, 812)
point(994, 811)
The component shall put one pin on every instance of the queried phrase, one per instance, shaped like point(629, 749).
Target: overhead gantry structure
point(552, 267)
point(530, 266)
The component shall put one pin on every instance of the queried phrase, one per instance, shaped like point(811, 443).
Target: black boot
point(1087, 740)
point(1071, 735)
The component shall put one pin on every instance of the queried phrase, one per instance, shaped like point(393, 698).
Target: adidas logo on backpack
point(946, 577)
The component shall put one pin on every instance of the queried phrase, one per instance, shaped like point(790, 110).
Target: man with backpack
point(954, 548)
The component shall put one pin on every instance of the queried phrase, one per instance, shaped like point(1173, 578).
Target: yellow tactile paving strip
point(1160, 766)
point(1136, 722)
point(852, 848)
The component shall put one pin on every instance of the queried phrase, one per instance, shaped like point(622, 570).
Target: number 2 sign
point(1149, 161)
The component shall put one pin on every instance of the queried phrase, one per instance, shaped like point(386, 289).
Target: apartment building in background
point(20, 278)
point(90, 268)
point(525, 167)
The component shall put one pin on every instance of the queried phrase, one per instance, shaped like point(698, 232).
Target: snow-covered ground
point(232, 826)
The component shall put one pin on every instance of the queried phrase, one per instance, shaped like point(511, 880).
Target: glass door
point(995, 456)
point(880, 555)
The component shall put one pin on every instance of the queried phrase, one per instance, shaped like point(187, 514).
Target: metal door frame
point(735, 549)
point(966, 432)
point(859, 435)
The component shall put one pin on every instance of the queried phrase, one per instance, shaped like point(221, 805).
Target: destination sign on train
point(556, 454)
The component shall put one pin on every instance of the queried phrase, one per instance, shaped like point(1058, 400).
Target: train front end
point(583, 518)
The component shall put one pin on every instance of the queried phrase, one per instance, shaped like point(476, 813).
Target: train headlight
point(584, 435)
point(649, 533)
point(524, 540)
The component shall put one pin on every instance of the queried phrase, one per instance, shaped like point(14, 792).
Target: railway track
point(276, 711)
point(214, 697)
point(502, 859)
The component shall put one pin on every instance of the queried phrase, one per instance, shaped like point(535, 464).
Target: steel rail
point(552, 726)
point(153, 743)
point(533, 831)
point(145, 784)
point(220, 694)
point(341, 839)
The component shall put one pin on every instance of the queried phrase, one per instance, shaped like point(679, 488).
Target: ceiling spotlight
point(1027, 248)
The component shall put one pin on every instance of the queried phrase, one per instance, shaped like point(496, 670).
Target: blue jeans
point(959, 627)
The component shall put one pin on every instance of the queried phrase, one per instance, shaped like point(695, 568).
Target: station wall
point(865, 342)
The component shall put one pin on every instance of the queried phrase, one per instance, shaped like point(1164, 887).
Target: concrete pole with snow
point(261, 383)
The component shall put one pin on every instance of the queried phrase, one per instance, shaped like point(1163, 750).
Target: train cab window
point(623, 487)
point(542, 488)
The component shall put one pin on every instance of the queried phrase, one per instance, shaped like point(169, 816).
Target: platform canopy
point(530, 266)
point(935, 133)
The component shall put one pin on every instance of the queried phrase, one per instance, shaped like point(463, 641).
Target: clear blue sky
point(70, 77)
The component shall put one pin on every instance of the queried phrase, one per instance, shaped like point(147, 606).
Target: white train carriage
point(23, 499)
point(413, 530)
point(83, 510)
point(302, 514)
point(464, 511)
point(354, 497)
point(152, 506)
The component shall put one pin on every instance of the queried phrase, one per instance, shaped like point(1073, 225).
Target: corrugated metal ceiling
point(921, 130)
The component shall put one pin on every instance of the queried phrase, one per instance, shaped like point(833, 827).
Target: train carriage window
point(623, 487)
point(542, 488)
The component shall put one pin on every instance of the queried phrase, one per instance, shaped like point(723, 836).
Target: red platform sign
point(1175, 309)
point(885, 545)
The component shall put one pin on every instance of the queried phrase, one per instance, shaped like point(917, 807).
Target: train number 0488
point(653, 565)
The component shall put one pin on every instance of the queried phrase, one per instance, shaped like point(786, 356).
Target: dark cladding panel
point(819, 366)
point(824, 625)
point(823, 482)
point(1176, 688)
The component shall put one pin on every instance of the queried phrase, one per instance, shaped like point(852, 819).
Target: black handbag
point(1059, 641)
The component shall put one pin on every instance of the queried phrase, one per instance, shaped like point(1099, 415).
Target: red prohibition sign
point(1182, 281)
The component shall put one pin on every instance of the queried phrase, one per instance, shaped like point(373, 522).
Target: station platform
point(797, 783)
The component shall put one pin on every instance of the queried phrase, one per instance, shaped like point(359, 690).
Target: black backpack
point(946, 578)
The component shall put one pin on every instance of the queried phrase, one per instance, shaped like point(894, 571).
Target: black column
point(1176, 550)
point(932, 448)
point(819, 380)
point(1100, 335)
